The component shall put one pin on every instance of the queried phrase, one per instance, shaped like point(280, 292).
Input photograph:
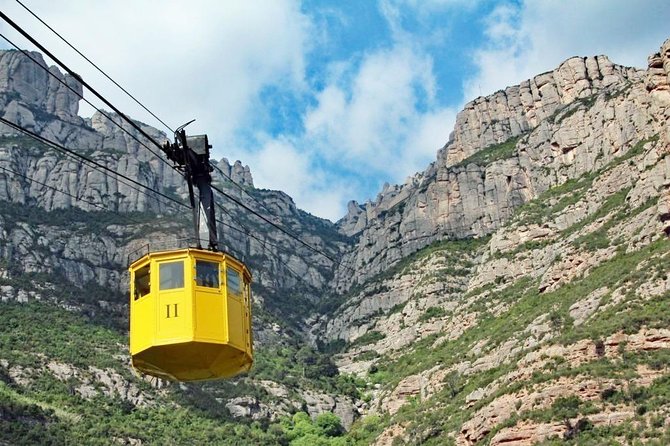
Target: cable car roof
point(214, 255)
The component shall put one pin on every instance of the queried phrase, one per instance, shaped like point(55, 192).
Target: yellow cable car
point(190, 309)
point(190, 315)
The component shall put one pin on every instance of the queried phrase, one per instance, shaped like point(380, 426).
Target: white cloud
point(425, 7)
point(422, 144)
point(207, 60)
point(373, 119)
point(537, 36)
point(279, 164)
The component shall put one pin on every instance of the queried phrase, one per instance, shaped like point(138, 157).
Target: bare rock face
point(248, 407)
point(22, 81)
point(515, 110)
point(658, 75)
point(318, 403)
point(505, 150)
point(235, 172)
point(355, 220)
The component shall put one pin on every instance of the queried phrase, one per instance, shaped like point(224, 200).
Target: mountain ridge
point(488, 291)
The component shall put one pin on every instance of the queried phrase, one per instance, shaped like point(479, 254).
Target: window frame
point(160, 275)
point(196, 276)
point(137, 276)
point(239, 290)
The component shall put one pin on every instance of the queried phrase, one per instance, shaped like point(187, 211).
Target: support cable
point(32, 180)
point(240, 187)
point(273, 224)
point(27, 54)
point(94, 65)
point(83, 82)
point(263, 242)
point(92, 162)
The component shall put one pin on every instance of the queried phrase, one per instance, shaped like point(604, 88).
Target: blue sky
point(327, 100)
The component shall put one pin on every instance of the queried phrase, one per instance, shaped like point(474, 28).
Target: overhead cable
point(80, 79)
point(273, 224)
point(87, 159)
point(92, 203)
point(62, 82)
point(240, 187)
point(94, 65)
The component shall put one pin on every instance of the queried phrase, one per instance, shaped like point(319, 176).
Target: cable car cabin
point(190, 315)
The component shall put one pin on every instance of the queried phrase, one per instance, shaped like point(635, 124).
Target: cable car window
point(207, 274)
point(233, 281)
point(171, 275)
point(142, 282)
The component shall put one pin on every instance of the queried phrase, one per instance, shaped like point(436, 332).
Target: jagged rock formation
point(489, 340)
point(27, 88)
point(494, 119)
point(513, 292)
point(459, 196)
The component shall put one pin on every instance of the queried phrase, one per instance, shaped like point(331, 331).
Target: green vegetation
point(300, 365)
point(325, 430)
point(637, 149)
point(446, 410)
point(397, 209)
point(25, 142)
point(492, 153)
point(432, 313)
point(611, 94)
point(558, 198)
point(554, 200)
point(370, 337)
point(563, 113)
point(454, 250)
point(599, 239)
point(77, 220)
point(49, 411)
point(24, 423)
point(612, 202)
point(33, 327)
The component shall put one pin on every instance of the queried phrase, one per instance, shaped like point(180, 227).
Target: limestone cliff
point(505, 150)
point(549, 325)
point(514, 292)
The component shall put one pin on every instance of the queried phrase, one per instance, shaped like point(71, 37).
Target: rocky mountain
point(540, 275)
point(515, 292)
point(68, 231)
point(465, 193)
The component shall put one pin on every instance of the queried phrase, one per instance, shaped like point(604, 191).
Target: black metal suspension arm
point(196, 167)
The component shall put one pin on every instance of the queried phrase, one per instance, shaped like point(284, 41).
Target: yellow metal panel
point(236, 322)
point(174, 317)
point(174, 309)
point(247, 307)
point(210, 324)
point(209, 308)
point(142, 318)
point(142, 323)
